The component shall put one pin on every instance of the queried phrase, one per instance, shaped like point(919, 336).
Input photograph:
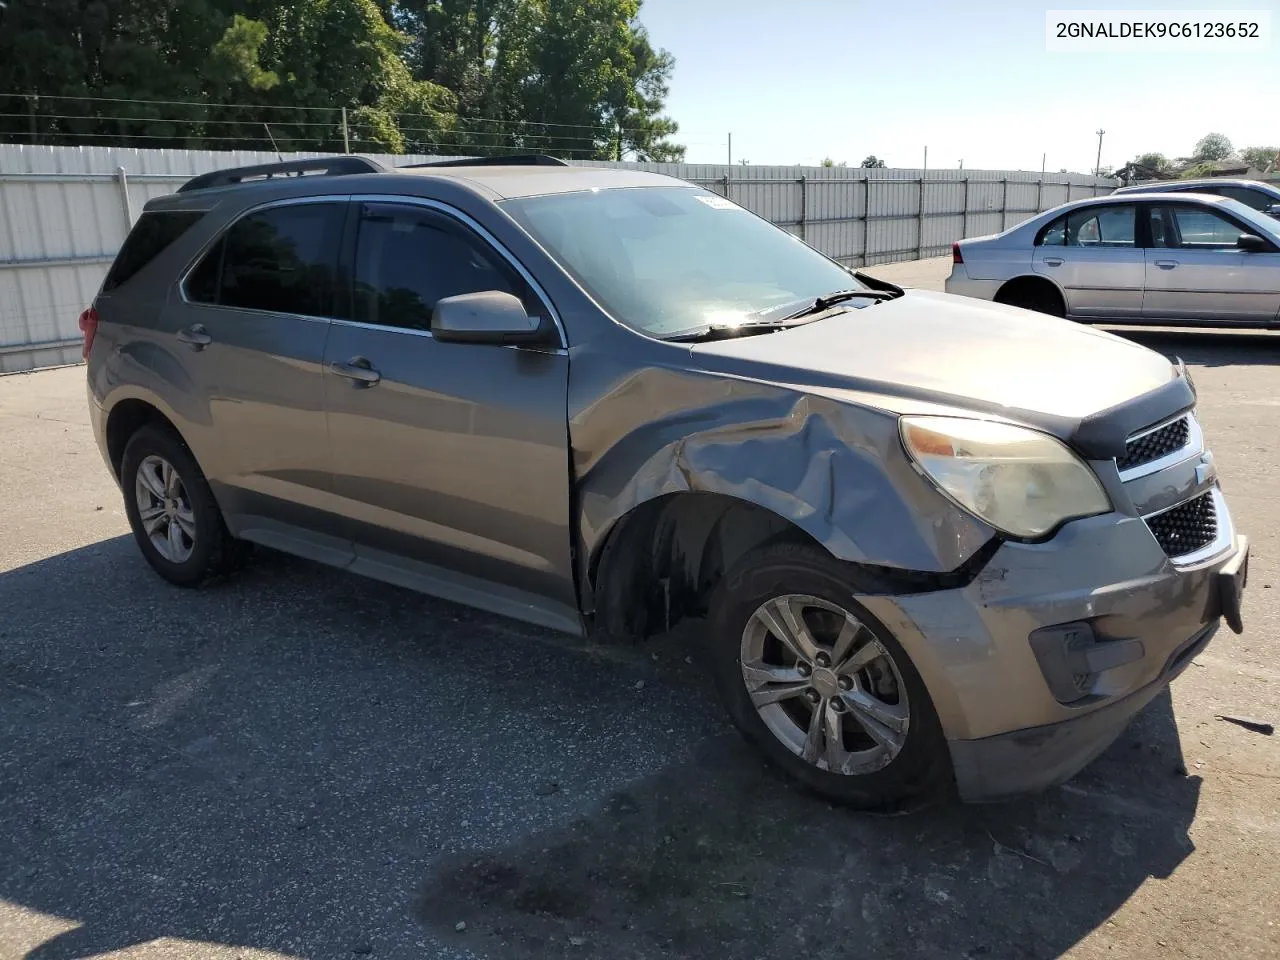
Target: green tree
point(1261, 158)
point(1155, 162)
point(872, 162)
point(579, 78)
point(1212, 146)
point(828, 162)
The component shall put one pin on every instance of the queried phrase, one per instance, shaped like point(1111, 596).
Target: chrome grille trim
point(1193, 446)
point(1225, 529)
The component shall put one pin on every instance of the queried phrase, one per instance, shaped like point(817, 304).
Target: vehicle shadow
point(1209, 348)
point(306, 762)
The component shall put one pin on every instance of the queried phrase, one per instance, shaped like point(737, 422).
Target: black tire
point(1034, 296)
point(214, 552)
point(921, 771)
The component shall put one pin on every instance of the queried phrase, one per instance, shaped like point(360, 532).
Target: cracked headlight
point(1022, 482)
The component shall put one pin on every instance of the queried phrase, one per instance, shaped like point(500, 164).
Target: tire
point(876, 775)
point(1035, 297)
point(201, 547)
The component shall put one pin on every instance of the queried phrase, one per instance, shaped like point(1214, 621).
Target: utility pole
point(1098, 166)
point(731, 149)
point(926, 160)
point(346, 137)
point(1043, 158)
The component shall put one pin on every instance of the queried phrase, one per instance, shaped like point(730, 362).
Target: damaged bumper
point(1038, 665)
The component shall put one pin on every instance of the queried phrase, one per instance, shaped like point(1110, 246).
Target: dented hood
point(939, 348)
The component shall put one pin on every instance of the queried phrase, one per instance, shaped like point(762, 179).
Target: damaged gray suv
point(933, 544)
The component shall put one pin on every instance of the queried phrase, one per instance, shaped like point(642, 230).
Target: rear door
point(251, 325)
point(450, 460)
point(1093, 255)
point(1196, 273)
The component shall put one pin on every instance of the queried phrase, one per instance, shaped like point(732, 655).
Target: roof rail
point(324, 166)
point(518, 160)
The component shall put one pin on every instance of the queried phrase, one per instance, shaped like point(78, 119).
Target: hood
point(959, 351)
point(945, 348)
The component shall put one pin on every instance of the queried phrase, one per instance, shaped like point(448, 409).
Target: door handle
point(195, 336)
point(1166, 264)
point(1052, 261)
point(358, 370)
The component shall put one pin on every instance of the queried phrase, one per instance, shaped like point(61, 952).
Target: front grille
point(1186, 528)
point(1156, 444)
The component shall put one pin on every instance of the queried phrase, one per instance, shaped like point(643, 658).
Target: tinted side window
point(1200, 229)
point(1101, 227)
point(150, 236)
point(1250, 198)
point(283, 259)
point(408, 258)
point(1055, 235)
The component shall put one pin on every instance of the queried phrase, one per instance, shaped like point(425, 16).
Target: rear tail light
point(89, 327)
point(956, 256)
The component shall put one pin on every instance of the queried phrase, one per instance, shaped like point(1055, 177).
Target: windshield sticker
point(718, 203)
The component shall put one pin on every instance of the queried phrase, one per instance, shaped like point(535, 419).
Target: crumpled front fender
point(834, 469)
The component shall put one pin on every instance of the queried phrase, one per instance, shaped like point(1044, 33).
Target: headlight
point(1021, 482)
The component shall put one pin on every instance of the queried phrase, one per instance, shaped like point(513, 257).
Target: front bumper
point(1024, 761)
point(1146, 617)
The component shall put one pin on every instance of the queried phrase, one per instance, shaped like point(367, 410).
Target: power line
point(608, 128)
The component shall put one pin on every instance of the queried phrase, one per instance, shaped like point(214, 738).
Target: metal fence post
point(724, 185)
point(122, 180)
point(1004, 202)
point(866, 221)
point(964, 214)
point(920, 220)
point(1039, 194)
point(804, 207)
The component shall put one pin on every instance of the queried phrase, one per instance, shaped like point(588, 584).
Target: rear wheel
point(175, 519)
point(820, 686)
point(1036, 295)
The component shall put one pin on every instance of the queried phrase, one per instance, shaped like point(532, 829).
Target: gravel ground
point(300, 762)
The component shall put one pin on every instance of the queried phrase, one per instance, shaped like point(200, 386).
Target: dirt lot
point(303, 763)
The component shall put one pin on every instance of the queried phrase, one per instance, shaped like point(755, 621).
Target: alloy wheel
point(164, 509)
point(824, 684)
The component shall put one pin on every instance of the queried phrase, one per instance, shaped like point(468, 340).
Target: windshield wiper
point(726, 331)
point(767, 322)
point(827, 301)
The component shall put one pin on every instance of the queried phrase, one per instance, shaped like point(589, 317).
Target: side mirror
point(1252, 243)
point(1272, 210)
point(491, 316)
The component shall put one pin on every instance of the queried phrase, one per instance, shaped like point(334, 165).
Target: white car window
point(1200, 229)
point(1108, 226)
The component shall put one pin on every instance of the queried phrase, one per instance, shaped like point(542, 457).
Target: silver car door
point(1197, 273)
point(1093, 256)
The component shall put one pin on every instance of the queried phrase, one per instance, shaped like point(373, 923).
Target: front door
point(1196, 273)
point(251, 329)
point(1093, 256)
point(450, 461)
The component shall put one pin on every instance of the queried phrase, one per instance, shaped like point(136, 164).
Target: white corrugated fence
point(64, 211)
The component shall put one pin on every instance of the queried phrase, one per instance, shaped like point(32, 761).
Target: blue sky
point(799, 81)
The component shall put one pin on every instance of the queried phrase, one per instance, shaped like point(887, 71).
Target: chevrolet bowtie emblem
point(1204, 469)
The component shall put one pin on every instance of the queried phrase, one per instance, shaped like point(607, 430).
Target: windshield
point(666, 259)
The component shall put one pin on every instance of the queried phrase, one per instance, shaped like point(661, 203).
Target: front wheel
point(820, 686)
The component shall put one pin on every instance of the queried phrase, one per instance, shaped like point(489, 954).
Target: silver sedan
point(1132, 258)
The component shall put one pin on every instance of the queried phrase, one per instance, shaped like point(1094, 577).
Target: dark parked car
point(936, 542)
point(1263, 197)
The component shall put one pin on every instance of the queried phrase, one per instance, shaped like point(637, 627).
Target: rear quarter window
point(151, 235)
